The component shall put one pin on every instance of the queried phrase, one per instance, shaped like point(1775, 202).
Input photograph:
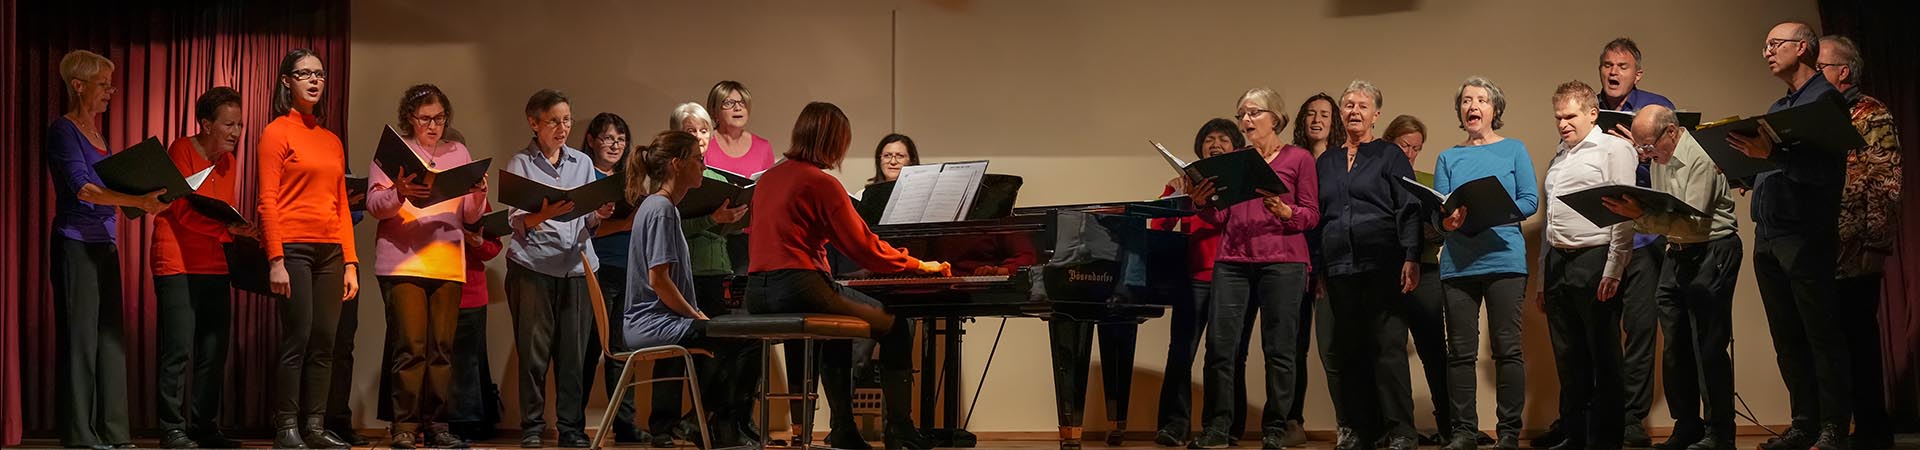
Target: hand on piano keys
point(935, 268)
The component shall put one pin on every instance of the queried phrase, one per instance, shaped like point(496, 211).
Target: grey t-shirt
point(656, 240)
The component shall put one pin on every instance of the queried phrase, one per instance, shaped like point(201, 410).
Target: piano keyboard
point(912, 280)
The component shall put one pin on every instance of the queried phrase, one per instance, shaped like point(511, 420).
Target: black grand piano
point(1082, 268)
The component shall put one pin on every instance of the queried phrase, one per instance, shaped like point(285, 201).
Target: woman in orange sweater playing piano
point(309, 239)
point(788, 270)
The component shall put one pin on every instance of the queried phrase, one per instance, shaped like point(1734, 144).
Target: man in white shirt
point(1696, 284)
point(1584, 264)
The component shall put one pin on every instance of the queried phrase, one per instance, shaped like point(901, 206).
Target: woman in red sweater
point(309, 239)
point(788, 272)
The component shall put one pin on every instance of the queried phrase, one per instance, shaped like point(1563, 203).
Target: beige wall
point(1061, 92)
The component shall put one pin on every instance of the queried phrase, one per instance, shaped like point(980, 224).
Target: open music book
point(1588, 203)
point(1238, 175)
point(520, 192)
point(492, 225)
point(1821, 126)
point(712, 194)
point(933, 192)
point(395, 157)
point(140, 169)
point(1487, 201)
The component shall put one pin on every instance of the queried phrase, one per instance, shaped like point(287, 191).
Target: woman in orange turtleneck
point(788, 271)
point(309, 238)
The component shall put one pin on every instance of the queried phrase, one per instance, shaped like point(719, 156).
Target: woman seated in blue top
point(660, 308)
point(1488, 267)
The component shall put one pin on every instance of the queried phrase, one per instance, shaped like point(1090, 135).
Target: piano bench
point(770, 329)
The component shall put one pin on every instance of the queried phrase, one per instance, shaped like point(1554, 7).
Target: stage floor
point(1905, 442)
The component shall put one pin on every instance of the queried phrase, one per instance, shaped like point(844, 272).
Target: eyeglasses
point(1774, 44)
point(1250, 115)
point(1648, 148)
point(731, 104)
point(563, 122)
point(892, 157)
point(308, 74)
point(1824, 66)
point(440, 119)
point(611, 140)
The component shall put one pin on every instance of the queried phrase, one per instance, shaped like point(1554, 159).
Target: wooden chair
point(628, 376)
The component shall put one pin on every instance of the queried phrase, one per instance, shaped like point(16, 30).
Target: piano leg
point(1116, 368)
point(1072, 347)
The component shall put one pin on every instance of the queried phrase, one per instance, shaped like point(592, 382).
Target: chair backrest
point(599, 304)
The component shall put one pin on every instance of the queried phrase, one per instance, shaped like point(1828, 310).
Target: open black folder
point(1238, 176)
point(395, 157)
point(1487, 202)
point(520, 192)
point(216, 209)
point(492, 225)
point(1821, 126)
point(140, 169)
point(704, 200)
point(1610, 118)
point(1587, 203)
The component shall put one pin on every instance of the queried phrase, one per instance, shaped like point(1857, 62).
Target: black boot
point(177, 438)
point(1833, 436)
point(314, 432)
point(1796, 439)
point(286, 433)
point(896, 393)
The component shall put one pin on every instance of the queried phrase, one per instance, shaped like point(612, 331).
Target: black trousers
point(1183, 347)
point(90, 398)
point(308, 317)
point(1371, 332)
point(1859, 299)
point(339, 416)
point(1427, 321)
point(862, 351)
point(728, 381)
point(552, 327)
point(1696, 314)
point(709, 292)
point(421, 317)
point(1321, 334)
point(1503, 295)
point(805, 291)
point(1640, 320)
point(194, 318)
point(1275, 289)
point(613, 287)
point(472, 374)
point(1586, 345)
point(1795, 274)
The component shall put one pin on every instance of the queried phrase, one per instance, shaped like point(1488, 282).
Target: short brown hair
point(207, 106)
point(820, 136)
point(1577, 91)
point(422, 95)
point(544, 100)
point(1405, 125)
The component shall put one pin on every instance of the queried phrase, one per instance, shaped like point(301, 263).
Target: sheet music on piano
point(933, 192)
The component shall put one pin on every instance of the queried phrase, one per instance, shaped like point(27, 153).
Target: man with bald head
point(1695, 293)
point(1795, 210)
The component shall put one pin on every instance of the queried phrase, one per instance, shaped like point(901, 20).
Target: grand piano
point(1084, 269)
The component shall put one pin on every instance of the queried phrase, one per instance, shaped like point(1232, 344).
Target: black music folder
point(1238, 176)
point(1610, 118)
point(140, 169)
point(216, 209)
point(1487, 202)
point(247, 265)
point(1821, 126)
point(394, 157)
point(1587, 203)
point(492, 225)
point(520, 192)
point(357, 187)
point(704, 200)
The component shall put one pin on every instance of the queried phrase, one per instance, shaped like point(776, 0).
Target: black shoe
point(177, 438)
point(531, 440)
point(1685, 434)
point(1871, 441)
point(1570, 444)
point(1832, 437)
point(1463, 441)
point(1296, 435)
point(627, 434)
point(1712, 440)
point(1507, 442)
point(1209, 439)
point(1635, 436)
point(288, 436)
point(1795, 439)
point(1116, 437)
point(1169, 438)
point(1273, 439)
point(902, 435)
point(1344, 439)
point(1402, 443)
point(1486, 440)
point(1554, 436)
point(445, 439)
point(574, 439)
point(403, 440)
point(848, 439)
point(1434, 439)
point(348, 436)
point(214, 439)
point(125, 445)
point(663, 440)
point(316, 436)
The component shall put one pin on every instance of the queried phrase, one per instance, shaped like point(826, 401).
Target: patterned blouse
point(1871, 199)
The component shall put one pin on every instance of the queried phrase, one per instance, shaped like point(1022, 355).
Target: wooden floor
point(1906, 442)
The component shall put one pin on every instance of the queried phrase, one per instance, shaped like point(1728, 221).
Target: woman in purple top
point(421, 268)
point(91, 397)
point(740, 151)
point(1263, 244)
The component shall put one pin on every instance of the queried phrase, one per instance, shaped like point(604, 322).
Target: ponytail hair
point(646, 167)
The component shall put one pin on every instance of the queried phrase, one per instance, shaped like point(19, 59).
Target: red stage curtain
point(166, 54)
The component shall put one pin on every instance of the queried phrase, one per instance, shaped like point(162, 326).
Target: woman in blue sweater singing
point(1489, 267)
